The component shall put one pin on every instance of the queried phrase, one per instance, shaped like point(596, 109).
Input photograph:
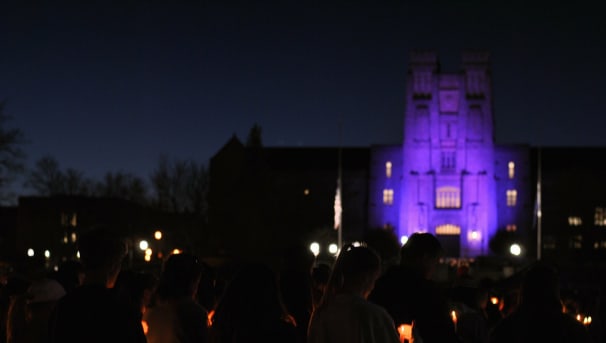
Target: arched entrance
point(449, 236)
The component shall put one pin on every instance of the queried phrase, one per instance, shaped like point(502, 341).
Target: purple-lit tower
point(447, 176)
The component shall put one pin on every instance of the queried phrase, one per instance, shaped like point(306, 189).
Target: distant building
point(448, 177)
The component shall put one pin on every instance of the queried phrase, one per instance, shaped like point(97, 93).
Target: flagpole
point(539, 211)
point(339, 188)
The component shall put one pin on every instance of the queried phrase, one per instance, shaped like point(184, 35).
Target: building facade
point(449, 177)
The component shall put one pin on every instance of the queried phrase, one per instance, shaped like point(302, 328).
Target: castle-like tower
point(446, 178)
point(447, 183)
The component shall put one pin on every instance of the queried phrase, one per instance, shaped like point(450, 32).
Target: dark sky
point(112, 86)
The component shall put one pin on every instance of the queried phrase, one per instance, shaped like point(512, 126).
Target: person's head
point(541, 288)
point(180, 277)
point(101, 254)
point(41, 297)
point(355, 272)
point(252, 287)
point(422, 252)
point(136, 288)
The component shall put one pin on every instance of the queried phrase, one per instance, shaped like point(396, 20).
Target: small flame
point(211, 314)
point(145, 326)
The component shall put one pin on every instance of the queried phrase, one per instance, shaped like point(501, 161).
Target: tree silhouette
point(11, 155)
point(180, 186)
point(254, 139)
point(122, 185)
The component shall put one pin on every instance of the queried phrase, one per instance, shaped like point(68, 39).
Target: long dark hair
point(352, 269)
point(179, 275)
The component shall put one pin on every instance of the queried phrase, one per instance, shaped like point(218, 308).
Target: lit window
point(388, 196)
point(511, 228)
point(512, 169)
point(512, 197)
point(448, 161)
point(388, 169)
point(74, 220)
point(448, 197)
point(74, 237)
point(575, 221)
point(448, 229)
point(576, 242)
point(600, 216)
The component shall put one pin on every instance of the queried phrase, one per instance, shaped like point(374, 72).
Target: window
point(511, 228)
point(388, 169)
point(512, 197)
point(600, 216)
point(388, 196)
point(449, 161)
point(575, 221)
point(448, 197)
point(511, 167)
point(448, 229)
point(69, 220)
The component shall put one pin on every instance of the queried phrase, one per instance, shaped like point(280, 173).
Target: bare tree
point(11, 155)
point(180, 186)
point(48, 179)
point(124, 186)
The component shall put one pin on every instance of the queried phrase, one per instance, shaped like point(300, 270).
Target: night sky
point(113, 86)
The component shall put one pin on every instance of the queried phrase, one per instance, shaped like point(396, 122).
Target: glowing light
point(587, 320)
point(158, 235)
point(210, 316)
point(403, 240)
point(494, 300)
point(30, 252)
point(515, 249)
point(65, 239)
point(306, 191)
point(356, 244)
point(177, 251)
point(148, 252)
point(474, 236)
point(145, 327)
point(147, 258)
point(405, 331)
point(453, 316)
point(143, 245)
point(315, 248)
point(333, 249)
point(78, 254)
point(74, 237)
point(47, 254)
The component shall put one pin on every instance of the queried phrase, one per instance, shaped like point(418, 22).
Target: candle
point(453, 315)
point(405, 331)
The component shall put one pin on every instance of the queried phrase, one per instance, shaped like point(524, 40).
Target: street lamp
point(143, 245)
point(158, 235)
point(333, 249)
point(515, 249)
point(315, 248)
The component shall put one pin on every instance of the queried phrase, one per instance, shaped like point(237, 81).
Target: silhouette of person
point(175, 315)
point(539, 316)
point(344, 314)
point(409, 295)
point(93, 312)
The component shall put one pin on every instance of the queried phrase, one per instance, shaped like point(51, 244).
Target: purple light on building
point(448, 175)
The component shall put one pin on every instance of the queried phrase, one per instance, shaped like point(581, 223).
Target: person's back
point(176, 317)
point(539, 317)
point(93, 312)
point(345, 314)
point(408, 295)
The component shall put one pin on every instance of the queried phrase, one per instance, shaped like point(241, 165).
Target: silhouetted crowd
point(357, 298)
